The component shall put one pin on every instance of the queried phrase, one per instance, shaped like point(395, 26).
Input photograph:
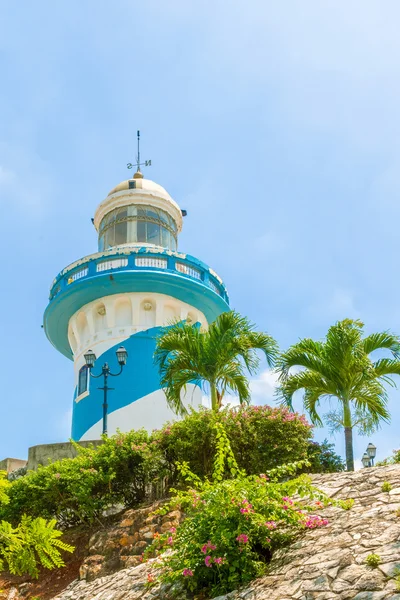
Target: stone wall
point(122, 545)
point(44, 454)
point(12, 464)
point(324, 564)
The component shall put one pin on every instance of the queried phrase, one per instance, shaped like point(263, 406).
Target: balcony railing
point(143, 259)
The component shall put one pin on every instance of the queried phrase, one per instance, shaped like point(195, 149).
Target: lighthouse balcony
point(135, 269)
point(146, 258)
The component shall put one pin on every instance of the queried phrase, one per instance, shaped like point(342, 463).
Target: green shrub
point(386, 486)
point(79, 490)
point(261, 438)
point(373, 560)
point(323, 458)
point(233, 526)
point(30, 543)
point(395, 458)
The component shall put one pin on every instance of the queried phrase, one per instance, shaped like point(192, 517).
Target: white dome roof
point(142, 184)
point(138, 191)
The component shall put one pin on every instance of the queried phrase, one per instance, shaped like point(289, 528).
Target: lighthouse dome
point(138, 211)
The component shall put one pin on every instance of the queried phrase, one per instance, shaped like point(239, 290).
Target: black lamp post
point(90, 359)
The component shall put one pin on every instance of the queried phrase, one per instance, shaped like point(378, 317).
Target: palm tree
point(340, 367)
point(217, 357)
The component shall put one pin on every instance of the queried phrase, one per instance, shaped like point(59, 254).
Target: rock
point(323, 564)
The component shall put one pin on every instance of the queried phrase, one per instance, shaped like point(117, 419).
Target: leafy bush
point(373, 560)
point(79, 490)
point(121, 470)
point(395, 458)
point(233, 525)
point(386, 486)
point(323, 458)
point(261, 438)
point(31, 542)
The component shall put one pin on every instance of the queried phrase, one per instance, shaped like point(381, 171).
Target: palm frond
point(384, 340)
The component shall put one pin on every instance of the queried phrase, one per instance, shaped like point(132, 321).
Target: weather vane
point(146, 163)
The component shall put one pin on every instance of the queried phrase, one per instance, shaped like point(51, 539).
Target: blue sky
point(275, 124)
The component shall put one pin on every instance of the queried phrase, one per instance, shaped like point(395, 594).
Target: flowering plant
point(234, 525)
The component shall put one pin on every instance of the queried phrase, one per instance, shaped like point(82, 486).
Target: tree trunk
point(348, 435)
point(214, 397)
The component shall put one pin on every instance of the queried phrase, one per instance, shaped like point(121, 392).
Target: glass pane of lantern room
point(109, 238)
point(164, 237)
point(141, 231)
point(121, 233)
point(153, 233)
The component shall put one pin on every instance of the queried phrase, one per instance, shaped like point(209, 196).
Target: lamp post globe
point(90, 358)
point(371, 451)
point(365, 460)
point(122, 356)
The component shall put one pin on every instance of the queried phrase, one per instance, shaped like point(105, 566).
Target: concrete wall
point(11, 464)
point(48, 453)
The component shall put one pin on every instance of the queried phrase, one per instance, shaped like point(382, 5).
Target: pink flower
point(242, 538)
point(270, 524)
point(173, 530)
point(187, 573)
point(57, 475)
point(287, 500)
point(208, 561)
point(219, 560)
point(208, 546)
point(315, 521)
point(170, 540)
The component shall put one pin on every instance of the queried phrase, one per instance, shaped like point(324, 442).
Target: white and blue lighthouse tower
point(125, 293)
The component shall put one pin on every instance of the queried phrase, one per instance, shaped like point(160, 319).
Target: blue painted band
point(81, 292)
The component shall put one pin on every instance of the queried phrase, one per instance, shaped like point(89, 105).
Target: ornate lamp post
point(90, 359)
point(369, 455)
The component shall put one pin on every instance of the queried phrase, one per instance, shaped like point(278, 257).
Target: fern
point(31, 543)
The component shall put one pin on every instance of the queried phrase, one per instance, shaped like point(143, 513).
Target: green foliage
point(233, 526)
point(395, 458)
point(386, 486)
point(323, 458)
point(261, 438)
point(79, 490)
point(120, 471)
point(373, 560)
point(346, 504)
point(31, 543)
point(217, 357)
point(340, 367)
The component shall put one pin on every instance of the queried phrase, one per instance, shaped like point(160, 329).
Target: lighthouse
point(124, 294)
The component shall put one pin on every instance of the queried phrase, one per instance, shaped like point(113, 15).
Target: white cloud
point(262, 390)
point(263, 387)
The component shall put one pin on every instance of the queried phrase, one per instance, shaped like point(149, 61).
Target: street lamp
point(365, 460)
point(371, 451)
point(90, 359)
point(369, 455)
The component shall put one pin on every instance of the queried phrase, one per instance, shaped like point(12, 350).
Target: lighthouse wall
point(134, 319)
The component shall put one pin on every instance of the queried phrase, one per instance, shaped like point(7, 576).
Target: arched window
point(136, 224)
point(83, 380)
